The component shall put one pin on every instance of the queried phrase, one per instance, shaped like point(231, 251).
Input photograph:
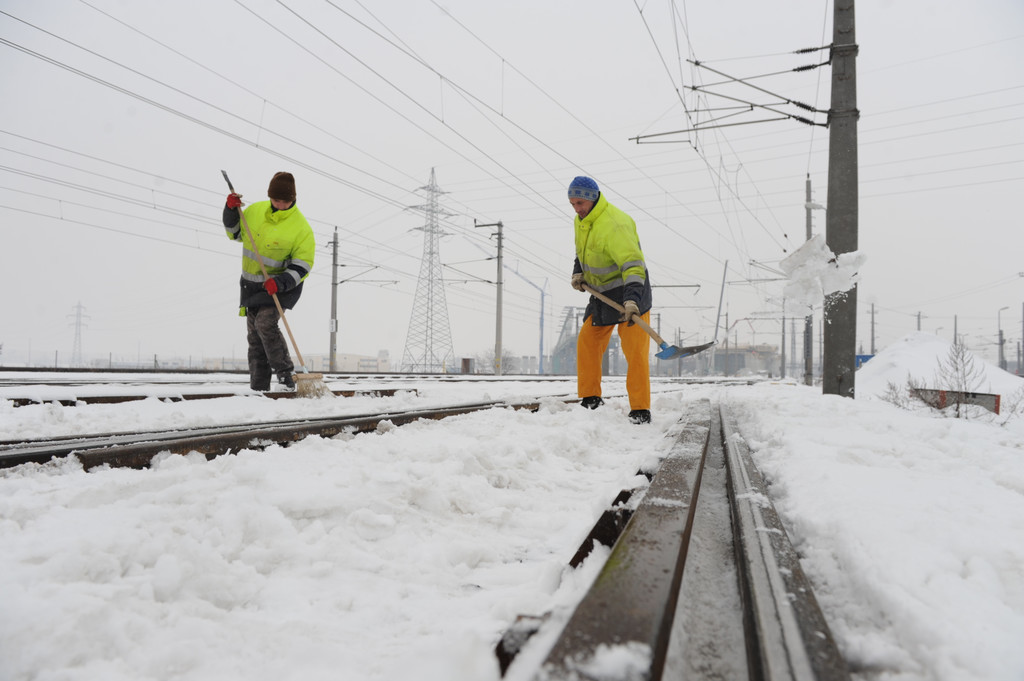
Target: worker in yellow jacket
point(286, 245)
point(610, 261)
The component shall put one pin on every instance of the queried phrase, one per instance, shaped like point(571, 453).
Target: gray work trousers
point(268, 352)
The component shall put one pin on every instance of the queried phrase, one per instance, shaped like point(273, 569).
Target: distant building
point(345, 362)
point(318, 363)
point(732, 360)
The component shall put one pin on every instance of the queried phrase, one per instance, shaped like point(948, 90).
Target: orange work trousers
point(636, 344)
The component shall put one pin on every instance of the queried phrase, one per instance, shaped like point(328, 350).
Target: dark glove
point(271, 286)
point(577, 281)
point(631, 309)
point(234, 200)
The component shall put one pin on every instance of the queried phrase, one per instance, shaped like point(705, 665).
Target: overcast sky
point(118, 118)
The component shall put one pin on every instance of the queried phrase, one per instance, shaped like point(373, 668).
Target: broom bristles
point(311, 385)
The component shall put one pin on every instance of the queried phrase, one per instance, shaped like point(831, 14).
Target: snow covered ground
point(406, 553)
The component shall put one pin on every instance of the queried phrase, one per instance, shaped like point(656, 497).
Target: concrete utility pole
point(873, 329)
point(840, 341)
point(782, 360)
point(809, 319)
point(999, 323)
point(497, 313)
point(334, 303)
point(726, 342)
point(792, 346)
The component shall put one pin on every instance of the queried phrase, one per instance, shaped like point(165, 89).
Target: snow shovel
point(306, 384)
point(667, 351)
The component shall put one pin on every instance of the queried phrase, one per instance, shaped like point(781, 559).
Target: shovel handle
point(636, 319)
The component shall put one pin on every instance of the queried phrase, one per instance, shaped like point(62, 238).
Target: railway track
point(113, 387)
point(69, 389)
point(702, 581)
point(184, 397)
point(136, 449)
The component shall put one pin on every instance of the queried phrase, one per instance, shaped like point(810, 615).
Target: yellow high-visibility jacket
point(608, 254)
point(286, 245)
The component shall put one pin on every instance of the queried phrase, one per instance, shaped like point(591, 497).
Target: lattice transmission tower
point(428, 343)
point(76, 349)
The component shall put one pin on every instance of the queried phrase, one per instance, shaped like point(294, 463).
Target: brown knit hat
point(282, 187)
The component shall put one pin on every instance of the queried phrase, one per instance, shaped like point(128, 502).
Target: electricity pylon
point(76, 350)
point(428, 344)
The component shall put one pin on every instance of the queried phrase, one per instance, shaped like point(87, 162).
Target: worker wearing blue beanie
point(583, 187)
point(609, 260)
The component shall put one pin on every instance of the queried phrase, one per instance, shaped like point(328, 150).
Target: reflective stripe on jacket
point(286, 246)
point(609, 255)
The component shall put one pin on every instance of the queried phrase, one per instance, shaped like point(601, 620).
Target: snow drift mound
point(920, 356)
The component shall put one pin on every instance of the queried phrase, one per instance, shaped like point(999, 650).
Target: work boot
point(592, 402)
point(639, 416)
point(285, 378)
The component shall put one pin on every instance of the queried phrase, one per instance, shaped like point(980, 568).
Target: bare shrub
point(957, 375)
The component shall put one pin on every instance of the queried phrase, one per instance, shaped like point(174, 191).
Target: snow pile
point(630, 661)
point(920, 356)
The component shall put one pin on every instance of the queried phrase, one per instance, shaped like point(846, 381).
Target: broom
point(306, 383)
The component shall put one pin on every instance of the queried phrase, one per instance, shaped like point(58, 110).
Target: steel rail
point(788, 637)
point(181, 397)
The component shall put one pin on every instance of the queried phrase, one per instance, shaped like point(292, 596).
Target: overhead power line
point(254, 94)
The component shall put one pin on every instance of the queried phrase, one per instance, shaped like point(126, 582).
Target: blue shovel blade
point(676, 352)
